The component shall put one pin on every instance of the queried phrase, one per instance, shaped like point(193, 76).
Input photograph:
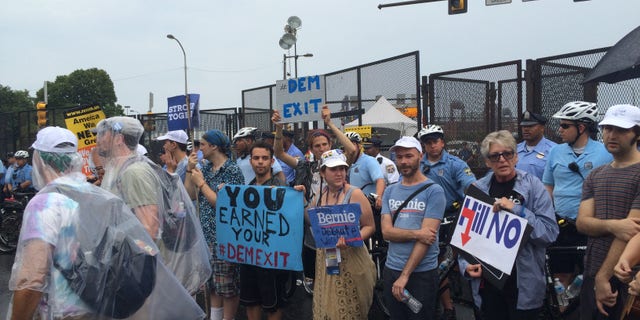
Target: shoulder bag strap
point(406, 201)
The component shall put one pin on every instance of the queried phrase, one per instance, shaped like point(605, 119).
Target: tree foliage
point(82, 87)
point(14, 100)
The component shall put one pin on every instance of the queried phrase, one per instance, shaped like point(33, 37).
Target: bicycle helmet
point(578, 111)
point(246, 132)
point(430, 129)
point(21, 154)
point(353, 136)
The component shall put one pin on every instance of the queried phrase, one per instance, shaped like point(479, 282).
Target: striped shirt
point(615, 192)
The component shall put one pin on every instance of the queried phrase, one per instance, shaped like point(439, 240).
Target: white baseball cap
point(407, 142)
point(178, 136)
point(141, 150)
point(56, 139)
point(623, 116)
point(333, 158)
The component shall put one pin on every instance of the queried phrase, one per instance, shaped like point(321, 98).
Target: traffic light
point(42, 114)
point(457, 6)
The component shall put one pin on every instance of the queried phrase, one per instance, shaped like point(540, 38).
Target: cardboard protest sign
point(260, 226)
point(493, 238)
point(300, 99)
point(80, 121)
point(332, 222)
point(177, 112)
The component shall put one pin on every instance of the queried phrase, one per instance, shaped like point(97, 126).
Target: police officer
point(389, 170)
point(533, 151)
point(453, 175)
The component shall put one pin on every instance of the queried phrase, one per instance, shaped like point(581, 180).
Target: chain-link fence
point(469, 103)
point(554, 81)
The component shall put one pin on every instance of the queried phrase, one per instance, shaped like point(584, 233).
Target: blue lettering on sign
point(503, 229)
point(303, 84)
point(297, 109)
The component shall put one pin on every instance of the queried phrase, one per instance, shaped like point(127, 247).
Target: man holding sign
point(521, 194)
point(255, 281)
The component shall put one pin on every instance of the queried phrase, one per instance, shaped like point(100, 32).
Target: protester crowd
point(580, 192)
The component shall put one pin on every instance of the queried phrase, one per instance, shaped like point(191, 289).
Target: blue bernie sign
point(332, 222)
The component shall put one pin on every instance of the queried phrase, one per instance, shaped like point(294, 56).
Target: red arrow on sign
point(469, 214)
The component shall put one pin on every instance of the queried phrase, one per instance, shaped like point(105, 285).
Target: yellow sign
point(363, 131)
point(80, 121)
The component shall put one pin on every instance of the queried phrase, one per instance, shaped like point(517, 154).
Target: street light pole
point(186, 92)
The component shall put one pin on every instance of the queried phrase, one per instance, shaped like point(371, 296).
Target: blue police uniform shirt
point(534, 160)
point(365, 171)
point(21, 175)
point(450, 172)
point(429, 203)
point(2, 171)
point(247, 170)
point(567, 185)
point(8, 175)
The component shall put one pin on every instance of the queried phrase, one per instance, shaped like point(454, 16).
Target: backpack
point(179, 230)
point(114, 269)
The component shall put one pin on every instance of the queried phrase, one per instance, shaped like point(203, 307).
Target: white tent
point(383, 114)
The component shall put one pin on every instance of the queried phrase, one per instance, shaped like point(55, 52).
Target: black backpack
point(114, 272)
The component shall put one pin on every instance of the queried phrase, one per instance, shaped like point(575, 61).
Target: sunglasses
point(495, 157)
point(566, 125)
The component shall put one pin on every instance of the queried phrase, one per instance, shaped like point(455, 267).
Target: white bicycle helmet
point(245, 132)
point(353, 136)
point(430, 129)
point(21, 154)
point(578, 111)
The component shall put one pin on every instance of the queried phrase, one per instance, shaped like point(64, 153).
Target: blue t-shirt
point(452, 174)
point(535, 159)
point(429, 203)
point(567, 185)
point(365, 171)
point(9, 173)
point(2, 172)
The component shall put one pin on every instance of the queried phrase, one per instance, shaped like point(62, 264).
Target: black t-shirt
point(509, 292)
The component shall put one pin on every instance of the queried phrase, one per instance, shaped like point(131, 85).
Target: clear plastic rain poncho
point(74, 236)
point(157, 198)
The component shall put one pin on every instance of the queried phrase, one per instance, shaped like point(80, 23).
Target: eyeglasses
point(495, 157)
point(566, 125)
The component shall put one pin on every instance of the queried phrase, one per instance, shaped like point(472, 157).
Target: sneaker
point(449, 314)
point(308, 285)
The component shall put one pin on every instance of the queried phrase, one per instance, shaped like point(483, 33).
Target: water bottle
point(181, 212)
point(561, 293)
point(573, 290)
point(445, 264)
point(411, 302)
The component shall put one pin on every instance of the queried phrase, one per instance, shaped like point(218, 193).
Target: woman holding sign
point(522, 194)
point(345, 274)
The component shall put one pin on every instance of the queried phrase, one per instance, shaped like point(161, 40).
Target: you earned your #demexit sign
point(301, 99)
point(260, 226)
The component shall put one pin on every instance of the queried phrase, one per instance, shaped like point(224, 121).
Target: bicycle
point(11, 210)
point(552, 308)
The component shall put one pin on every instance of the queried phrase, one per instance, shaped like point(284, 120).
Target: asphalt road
point(6, 261)
point(299, 307)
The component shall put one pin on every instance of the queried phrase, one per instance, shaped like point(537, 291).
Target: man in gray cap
point(534, 148)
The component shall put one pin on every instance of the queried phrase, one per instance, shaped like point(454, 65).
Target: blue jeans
point(422, 285)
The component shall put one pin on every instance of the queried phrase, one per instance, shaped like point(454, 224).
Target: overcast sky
point(233, 45)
